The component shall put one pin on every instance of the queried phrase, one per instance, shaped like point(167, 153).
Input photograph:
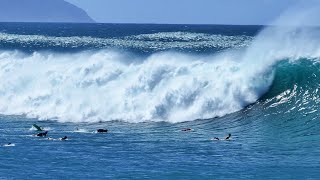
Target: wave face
point(168, 80)
point(295, 89)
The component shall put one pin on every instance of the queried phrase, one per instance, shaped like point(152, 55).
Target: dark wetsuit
point(227, 138)
point(42, 134)
point(64, 138)
point(102, 130)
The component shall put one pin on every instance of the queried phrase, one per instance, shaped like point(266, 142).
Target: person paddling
point(102, 130)
point(228, 137)
point(42, 134)
point(64, 138)
point(186, 129)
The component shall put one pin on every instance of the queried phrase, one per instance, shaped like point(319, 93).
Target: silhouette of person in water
point(102, 130)
point(42, 134)
point(64, 138)
point(186, 129)
point(228, 137)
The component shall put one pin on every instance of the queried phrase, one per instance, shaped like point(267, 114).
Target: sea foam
point(107, 85)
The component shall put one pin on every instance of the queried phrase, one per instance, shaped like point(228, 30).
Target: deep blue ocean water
point(145, 83)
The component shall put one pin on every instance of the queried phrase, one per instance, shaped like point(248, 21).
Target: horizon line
point(39, 22)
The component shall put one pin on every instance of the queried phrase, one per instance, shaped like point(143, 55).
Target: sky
point(242, 12)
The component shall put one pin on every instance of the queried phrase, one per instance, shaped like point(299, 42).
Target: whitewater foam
point(107, 85)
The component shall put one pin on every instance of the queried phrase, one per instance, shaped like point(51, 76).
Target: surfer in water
point(186, 129)
point(228, 137)
point(9, 144)
point(102, 130)
point(64, 138)
point(42, 134)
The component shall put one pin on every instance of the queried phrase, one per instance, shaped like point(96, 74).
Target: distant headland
point(42, 11)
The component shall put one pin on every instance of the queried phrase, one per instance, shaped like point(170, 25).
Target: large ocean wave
point(105, 85)
point(173, 87)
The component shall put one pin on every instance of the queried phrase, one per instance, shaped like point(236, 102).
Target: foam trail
point(105, 85)
point(9, 145)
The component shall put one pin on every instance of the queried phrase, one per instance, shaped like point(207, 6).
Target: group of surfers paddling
point(44, 134)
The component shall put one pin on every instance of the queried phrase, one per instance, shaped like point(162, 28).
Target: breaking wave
point(107, 85)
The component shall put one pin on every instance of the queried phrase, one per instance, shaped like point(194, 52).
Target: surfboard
point(37, 127)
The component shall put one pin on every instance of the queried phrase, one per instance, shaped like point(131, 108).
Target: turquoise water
point(145, 83)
